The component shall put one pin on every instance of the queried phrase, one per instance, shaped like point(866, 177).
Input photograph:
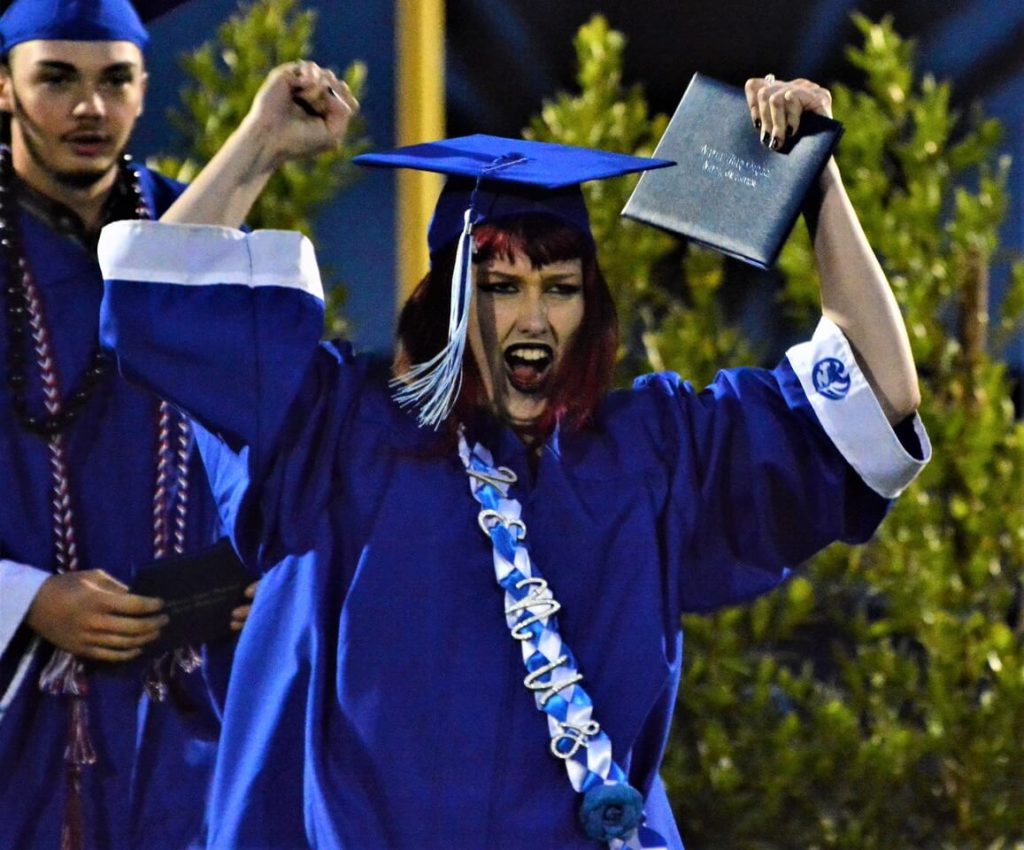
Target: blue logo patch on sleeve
point(830, 378)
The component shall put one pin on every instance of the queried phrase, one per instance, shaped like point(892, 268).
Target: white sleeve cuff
point(849, 412)
point(19, 585)
point(199, 255)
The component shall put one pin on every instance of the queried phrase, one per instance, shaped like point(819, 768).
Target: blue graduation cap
point(80, 20)
point(501, 178)
point(489, 179)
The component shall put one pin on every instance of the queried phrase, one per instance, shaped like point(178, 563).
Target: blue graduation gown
point(376, 698)
point(149, 786)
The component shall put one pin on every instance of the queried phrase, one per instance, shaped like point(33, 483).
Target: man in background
point(97, 476)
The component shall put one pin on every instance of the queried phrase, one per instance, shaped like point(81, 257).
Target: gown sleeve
point(772, 466)
point(19, 584)
point(226, 325)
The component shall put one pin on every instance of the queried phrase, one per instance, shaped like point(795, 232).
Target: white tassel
point(434, 386)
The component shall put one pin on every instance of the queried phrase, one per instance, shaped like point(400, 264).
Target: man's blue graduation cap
point(489, 179)
point(80, 20)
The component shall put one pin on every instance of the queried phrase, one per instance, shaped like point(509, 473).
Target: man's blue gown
point(148, 789)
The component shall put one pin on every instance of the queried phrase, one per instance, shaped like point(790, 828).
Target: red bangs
point(541, 240)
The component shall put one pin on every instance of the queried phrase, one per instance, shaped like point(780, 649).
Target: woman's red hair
point(584, 374)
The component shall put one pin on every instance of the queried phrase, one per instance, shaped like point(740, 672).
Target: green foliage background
point(224, 75)
point(876, 701)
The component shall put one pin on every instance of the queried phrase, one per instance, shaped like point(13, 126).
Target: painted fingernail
point(757, 123)
point(765, 138)
point(774, 143)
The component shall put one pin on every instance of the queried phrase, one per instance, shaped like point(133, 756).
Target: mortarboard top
point(150, 10)
point(490, 178)
point(79, 20)
point(499, 178)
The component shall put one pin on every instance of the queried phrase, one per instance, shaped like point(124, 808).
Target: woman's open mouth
point(528, 366)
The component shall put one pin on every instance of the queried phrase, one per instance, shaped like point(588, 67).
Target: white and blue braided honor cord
point(576, 738)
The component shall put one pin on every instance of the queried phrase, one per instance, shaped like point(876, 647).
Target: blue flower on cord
point(611, 811)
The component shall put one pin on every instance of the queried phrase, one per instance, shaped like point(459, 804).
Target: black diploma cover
point(729, 191)
point(199, 590)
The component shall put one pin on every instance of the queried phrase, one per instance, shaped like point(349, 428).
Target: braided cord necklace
point(611, 810)
point(29, 336)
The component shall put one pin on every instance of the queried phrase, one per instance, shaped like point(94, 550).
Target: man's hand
point(92, 615)
point(302, 109)
point(240, 614)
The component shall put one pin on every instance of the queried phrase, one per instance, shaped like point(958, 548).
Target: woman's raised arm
point(855, 293)
point(301, 110)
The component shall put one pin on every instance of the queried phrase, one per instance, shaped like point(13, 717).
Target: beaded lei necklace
point(29, 339)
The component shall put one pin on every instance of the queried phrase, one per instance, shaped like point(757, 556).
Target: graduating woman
point(470, 635)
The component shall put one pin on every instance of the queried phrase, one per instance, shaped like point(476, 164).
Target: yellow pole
point(419, 105)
